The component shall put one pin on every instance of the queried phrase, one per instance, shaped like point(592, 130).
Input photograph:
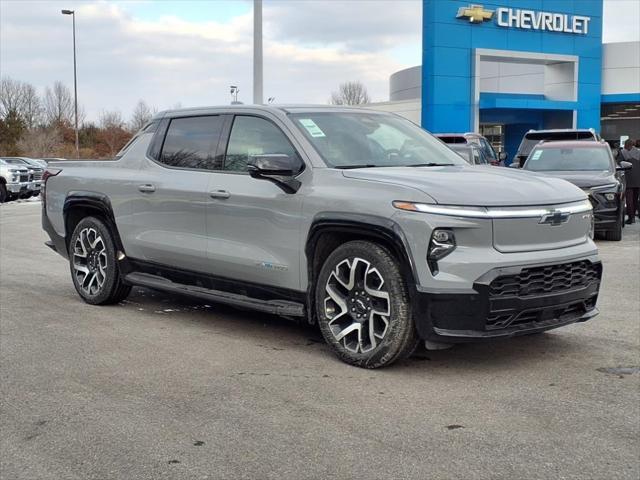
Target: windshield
point(15, 161)
point(350, 140)
point(530, 140)
point(463, 150)
point(569, 159)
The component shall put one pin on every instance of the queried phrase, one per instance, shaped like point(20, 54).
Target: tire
point(93, 264)
point(616, 234)
point(374, 326)
point(4, 195)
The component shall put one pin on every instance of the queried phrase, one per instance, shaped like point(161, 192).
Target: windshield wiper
point(432, 164)
point(364, 165)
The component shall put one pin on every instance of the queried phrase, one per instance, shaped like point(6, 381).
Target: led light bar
point(493, 212)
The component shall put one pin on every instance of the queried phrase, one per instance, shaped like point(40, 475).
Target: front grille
point(539, 281)
point(37, 175)
point(547, 279)
point(24, 177)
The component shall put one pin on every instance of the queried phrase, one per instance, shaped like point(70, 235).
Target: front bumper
point(35, 186)
point(606, 214)
point(546, 297)
point(18, 187)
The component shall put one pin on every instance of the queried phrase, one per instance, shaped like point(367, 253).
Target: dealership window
point(494, 133)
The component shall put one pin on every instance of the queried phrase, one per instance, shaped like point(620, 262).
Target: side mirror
point(624, 166)
point(502, 156)
point(514, 165)
point(278, 168)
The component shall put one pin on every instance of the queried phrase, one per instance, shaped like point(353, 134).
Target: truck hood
point(475, 186)
point(585, 179)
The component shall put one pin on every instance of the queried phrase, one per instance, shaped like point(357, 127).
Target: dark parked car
point(471, 153)
point(533, 137)
point(590, 166)
point(471, 138)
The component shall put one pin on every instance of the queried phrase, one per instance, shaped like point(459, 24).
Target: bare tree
point(142, 113)
point(112, 131)
point(58, 105)
point(11, 96)
point(21, 98)
point(40, 142)
point(350, 93)
point(32, 106)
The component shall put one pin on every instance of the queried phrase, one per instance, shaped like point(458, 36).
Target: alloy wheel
point(357, 305)
point(90, 261)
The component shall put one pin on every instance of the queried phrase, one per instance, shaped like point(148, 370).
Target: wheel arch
point(81, 204)
point(330, 230)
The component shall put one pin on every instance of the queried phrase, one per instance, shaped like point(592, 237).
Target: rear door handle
point(147, 188)
point(219, 194)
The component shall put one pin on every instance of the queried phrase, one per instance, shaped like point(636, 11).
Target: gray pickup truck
point(355, 220)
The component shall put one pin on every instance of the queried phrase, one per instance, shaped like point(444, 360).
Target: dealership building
point(504, 68)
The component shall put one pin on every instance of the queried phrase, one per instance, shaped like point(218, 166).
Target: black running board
point(276, 307)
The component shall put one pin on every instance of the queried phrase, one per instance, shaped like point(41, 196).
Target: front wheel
point(616, 234)
point(4, 195)
point(363, 307)
point(93, 263)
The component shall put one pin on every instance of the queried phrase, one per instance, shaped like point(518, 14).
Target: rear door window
point(191, 142)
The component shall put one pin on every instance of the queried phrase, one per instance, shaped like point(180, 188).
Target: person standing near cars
point(631, 154)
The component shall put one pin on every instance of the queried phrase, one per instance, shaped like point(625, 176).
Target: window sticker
point(536, 155)
point(312, 128)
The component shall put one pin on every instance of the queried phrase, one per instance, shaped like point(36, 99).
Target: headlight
point(610, 196)
point(442, 243)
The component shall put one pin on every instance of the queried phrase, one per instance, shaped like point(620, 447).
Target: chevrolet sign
point(553, 22)
point(527, 19)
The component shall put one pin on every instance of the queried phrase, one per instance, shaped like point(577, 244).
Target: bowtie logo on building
point(475, 13)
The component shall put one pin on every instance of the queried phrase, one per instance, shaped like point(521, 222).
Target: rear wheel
point(363, 306)
point(93, 263)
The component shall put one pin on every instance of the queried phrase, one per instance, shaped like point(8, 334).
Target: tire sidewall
point(400, 319)
point(111, 271)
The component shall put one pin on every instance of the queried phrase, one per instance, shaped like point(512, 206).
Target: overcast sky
point(189, 52)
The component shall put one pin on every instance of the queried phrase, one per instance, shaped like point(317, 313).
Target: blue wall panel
point(448, 50)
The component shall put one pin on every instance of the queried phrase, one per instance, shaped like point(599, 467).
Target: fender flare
point(372, 226)
point(93, 201)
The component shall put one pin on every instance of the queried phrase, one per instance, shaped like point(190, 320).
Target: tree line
point(41, 126)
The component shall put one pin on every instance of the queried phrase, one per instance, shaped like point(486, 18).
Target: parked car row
point(579, 156)
point(20, 177)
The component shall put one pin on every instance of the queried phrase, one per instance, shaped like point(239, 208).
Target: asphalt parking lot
point(166, 387)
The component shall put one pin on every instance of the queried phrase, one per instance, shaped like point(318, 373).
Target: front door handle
point(219, 194)
point(147, 188)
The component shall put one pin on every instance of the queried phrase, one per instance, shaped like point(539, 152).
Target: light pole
point(75, 78)
point(234, 94)
point(257, 52)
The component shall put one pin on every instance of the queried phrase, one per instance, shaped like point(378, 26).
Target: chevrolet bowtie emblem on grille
point(555, 218)
point(475, 13)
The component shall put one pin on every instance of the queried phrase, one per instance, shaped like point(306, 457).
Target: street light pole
point(257, 52)
point(75, 78)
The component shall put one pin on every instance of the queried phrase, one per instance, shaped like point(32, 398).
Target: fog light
point(610, 196)
point(442, 243)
